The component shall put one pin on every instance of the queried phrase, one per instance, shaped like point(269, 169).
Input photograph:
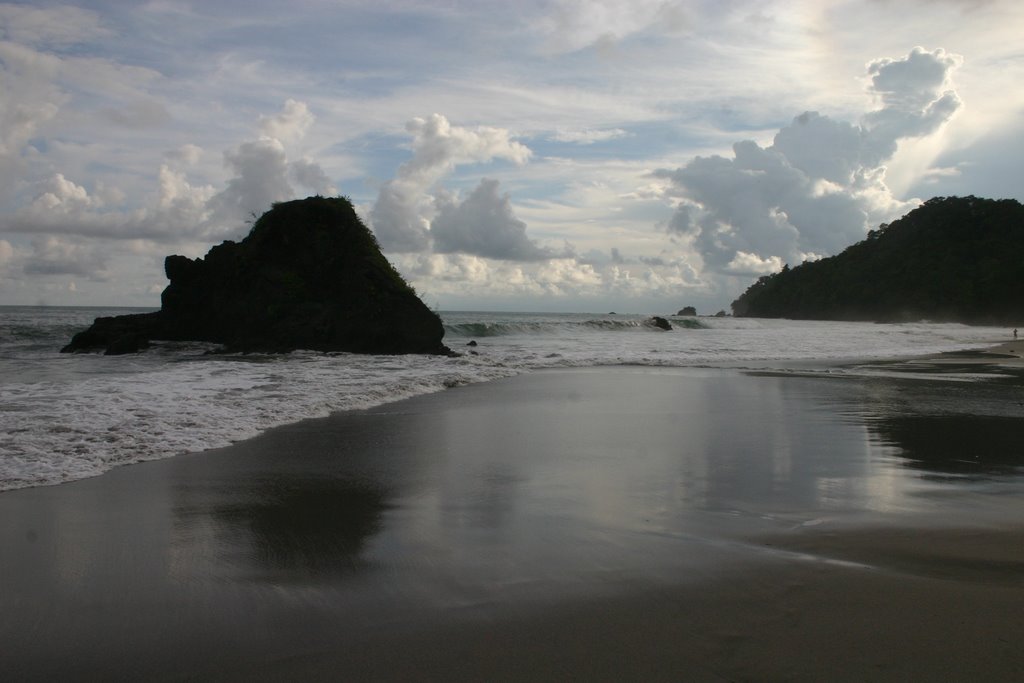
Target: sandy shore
point(772, 621)
point(1014, 348)
point(1009, 353)
point(606, 524)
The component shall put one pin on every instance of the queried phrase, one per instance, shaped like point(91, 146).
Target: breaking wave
point(470, 330)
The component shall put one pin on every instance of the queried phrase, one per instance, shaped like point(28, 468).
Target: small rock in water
point(660, 322)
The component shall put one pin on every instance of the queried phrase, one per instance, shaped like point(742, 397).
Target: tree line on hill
point(951, 259)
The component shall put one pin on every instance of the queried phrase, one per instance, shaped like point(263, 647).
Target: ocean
point(68, 416)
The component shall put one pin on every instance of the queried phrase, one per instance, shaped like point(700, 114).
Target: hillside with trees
point(951, 259)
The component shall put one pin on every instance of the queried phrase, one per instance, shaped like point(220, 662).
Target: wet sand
point(602, 524)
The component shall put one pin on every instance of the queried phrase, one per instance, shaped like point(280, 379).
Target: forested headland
point(951, 259)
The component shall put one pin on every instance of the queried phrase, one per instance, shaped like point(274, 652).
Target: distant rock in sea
point(309, 275)
point(687, 310)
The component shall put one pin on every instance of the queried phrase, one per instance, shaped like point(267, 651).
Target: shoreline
point(987, 360)
point(602, 522)
point(78, 417)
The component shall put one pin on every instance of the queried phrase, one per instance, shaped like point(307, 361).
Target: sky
point(556, 155)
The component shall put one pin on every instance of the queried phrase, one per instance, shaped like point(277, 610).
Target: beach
point(702, 524)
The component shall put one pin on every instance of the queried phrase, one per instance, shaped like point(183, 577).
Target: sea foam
point(65, 417)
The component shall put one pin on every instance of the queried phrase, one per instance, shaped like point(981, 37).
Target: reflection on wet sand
point(971, 425)
point(295, 527)
point(955, 444)
point(480, 490)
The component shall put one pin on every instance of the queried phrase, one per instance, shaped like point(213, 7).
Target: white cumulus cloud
point(260, 175)
point(485, 225)
point(260, 178)
point(310, 175)
point(403, 210)
point(821, 184)
point(290, 124)
point(752, 264)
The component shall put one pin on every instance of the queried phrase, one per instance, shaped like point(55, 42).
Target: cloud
point(576, 24)
point(29, 102)
point(752, 264)
point(260, 174)
point(139, 114)
point(589, 136)
point(566, 276)
point(402, 212)
point(991, 165)
point(63, 207)
point(310, 175)
point(260, 178)
point(938, 173)
point(439, 146)
point(53, 27)
point(457, 277)
point(261, 169)
point(181, 206)
point(289, 125)
point(187, 154)
point(57, 256)
point(398, 216)
point(915, 98)
point(61, 195)
point(456, 269)
point(483, 225)
point(6, 255)
point(51, 82)
point(821, 184)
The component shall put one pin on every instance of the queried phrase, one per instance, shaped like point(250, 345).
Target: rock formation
point(309, 275)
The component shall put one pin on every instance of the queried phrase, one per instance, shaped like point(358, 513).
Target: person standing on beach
point(1015, 334)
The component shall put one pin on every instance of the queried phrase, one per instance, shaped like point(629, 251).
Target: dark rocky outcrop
point(118, 335)
point(687, 310)
point(309, 275)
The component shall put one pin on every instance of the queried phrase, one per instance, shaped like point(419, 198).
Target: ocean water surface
point(69, 416)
